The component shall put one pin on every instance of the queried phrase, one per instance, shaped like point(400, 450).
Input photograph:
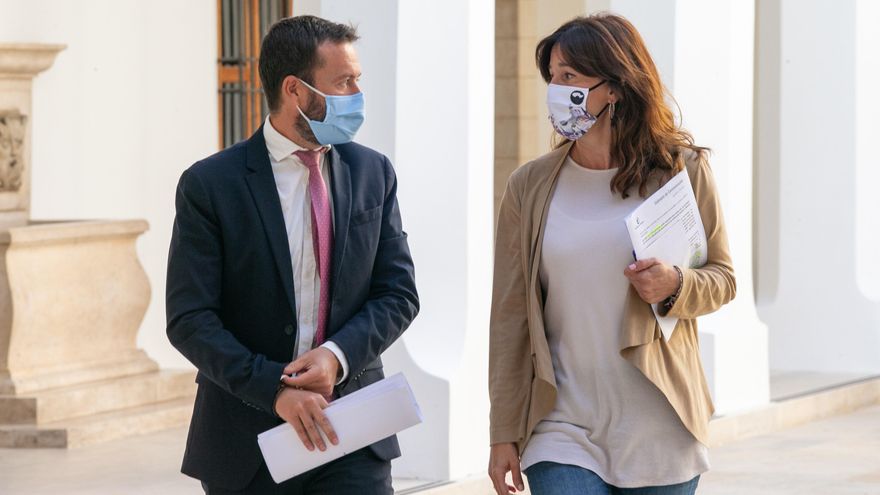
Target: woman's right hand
point(504, 457)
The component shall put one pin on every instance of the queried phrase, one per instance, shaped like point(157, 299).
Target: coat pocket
point(366, 216)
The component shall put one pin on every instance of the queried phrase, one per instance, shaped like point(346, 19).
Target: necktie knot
point(309, 157)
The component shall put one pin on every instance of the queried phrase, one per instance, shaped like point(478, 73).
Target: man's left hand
point(652, 279)
point(316, 371)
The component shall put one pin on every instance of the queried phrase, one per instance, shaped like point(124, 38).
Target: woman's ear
point(614, 92)
point(612, 96)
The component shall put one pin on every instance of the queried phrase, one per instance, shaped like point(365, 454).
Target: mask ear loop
point(611, 104)
point(314, 90)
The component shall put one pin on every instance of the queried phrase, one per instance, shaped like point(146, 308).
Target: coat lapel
point(261, 182)
point(340, 184)
point(539, 219)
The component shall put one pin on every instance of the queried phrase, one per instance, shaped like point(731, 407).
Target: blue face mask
point(345, 114)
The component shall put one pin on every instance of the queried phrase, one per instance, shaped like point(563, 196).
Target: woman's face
point(563, 74)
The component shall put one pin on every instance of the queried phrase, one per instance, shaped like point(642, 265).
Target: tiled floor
point(147, 464)
point(141, 465)
point(837, 456)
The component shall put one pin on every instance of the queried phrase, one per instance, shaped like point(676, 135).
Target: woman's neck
point(593, 149)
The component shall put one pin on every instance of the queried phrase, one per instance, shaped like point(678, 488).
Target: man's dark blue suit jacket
point(230, 295)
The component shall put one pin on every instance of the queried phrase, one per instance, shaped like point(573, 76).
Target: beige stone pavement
point(835, 456)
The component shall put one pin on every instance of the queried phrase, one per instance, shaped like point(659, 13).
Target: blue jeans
point(551, 478)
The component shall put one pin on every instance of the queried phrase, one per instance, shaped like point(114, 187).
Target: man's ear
point(291, 88)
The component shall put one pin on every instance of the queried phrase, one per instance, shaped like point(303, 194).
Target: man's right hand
point(304, 411)
point(504, 457)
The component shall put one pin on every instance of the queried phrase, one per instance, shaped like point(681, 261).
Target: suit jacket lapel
point(340, 184)
point(261, 182)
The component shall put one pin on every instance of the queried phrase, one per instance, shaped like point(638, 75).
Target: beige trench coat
point(522, 385)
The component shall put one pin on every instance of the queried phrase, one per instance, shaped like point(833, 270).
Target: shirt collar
point(279, 146)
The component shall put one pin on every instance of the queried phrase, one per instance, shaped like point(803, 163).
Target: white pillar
point(429, 84)
point(714, 79)
point(704, 52)
point(867, 158)
point(814, 171)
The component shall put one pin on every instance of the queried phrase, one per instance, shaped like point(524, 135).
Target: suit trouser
point(360, 472)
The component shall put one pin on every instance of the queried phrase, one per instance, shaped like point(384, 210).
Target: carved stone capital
point(13, 126)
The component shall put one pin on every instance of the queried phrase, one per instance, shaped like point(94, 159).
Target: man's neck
point(285, 126)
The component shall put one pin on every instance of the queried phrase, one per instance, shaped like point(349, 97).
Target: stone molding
point(26, 60)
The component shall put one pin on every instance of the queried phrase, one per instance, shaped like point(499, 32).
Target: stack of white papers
point(667, 226)
point(360, 419)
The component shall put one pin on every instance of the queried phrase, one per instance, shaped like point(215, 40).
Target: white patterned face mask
point(568, 110)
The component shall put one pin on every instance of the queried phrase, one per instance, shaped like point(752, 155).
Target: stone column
point(19, 63)
point(815, 192)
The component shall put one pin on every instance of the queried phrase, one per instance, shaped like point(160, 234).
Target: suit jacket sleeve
point(392, 302)
point(193, 302)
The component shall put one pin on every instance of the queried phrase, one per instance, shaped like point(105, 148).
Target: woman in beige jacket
point(587, 396)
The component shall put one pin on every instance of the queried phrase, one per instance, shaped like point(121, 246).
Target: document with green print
point(667, 226)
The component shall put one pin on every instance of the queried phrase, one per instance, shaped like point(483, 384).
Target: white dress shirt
point(292, 182)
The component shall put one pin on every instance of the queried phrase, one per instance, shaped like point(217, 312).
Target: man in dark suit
point(289, 273)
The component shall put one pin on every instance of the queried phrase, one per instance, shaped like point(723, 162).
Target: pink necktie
point(322, 234)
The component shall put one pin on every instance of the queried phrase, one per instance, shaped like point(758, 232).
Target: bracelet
point(670, 301)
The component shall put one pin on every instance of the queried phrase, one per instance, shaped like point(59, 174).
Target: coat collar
point(279, 146)
point(545, 187)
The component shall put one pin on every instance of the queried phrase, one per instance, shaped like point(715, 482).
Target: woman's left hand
point(652, 279)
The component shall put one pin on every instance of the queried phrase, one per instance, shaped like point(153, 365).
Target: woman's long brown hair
point(645, 138)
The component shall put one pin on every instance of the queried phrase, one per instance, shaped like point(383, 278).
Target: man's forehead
point(338, 54)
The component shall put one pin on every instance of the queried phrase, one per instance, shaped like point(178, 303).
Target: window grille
point(241, 25)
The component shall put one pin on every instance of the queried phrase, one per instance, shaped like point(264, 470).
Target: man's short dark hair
point(290, 48)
